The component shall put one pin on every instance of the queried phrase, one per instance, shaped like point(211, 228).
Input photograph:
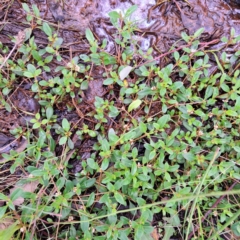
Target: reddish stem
point(179, 48)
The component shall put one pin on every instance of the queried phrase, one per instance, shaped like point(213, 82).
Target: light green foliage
point(166, 143)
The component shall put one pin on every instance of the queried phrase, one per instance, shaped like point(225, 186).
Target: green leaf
point(237, 149)
point(188, 156)
point(28, 74)
point(18, 192)
point(131, 10)
point(236, 228)
point(31, 68)
point(37, 72)
point(36, 125)
point(139, 231)
point(26, 7)
point(113, 138)
point(143, 127)
point(35, 87)
point(231, 113)
point(49, 112)
point(107, 60)
point(108, 81)
point(57, 43)
point(185, 37)
point(162, 121)
point(36, 10)
point(60, 183)
point(48, 59)
point(8, 233)
point(209, 92)
point(85, 58)
point(168, 232)
point(114, 16)
point(70, 143)
point(46, 28)
point(225, 87)
point(84, 223)
point(50, 50)
point(134, 168)
point(2, 196)
point(176, 55)
point(198, 32)
point(91, 199)
point(84, 85)
point(177, 85)
point(65, 125)
point(2, 211)
point(167, 176)
point(236, 176)
point(129, 135)
point(63, 140)
point(36, 55)
point(92, 164)
point(44, 121)
point(29, 18)
point(46, 69)
point(144, 71)
point(119, 198)
point(105, 145)
point(224, 39)
point(89, 36)
point(6, 91)
point(152, 154)
point(125, 72)
point(135, 104)
point(105, 164)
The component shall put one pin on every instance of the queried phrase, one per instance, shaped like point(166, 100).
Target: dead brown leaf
point(5, 223)
point(28, 187)
point(155, 235)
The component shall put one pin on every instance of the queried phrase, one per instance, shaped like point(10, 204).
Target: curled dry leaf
point(18, 146)
point(5, 223)
point(124, 72)
point(8, 228)
point(28, 187)
point(4, 139)
point(155, 235)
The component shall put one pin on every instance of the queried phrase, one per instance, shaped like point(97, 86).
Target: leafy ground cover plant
point(164, 160)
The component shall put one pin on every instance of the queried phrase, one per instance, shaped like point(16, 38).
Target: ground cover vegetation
point(165, 163)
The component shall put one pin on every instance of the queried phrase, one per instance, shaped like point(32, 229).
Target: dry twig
point(19, 41)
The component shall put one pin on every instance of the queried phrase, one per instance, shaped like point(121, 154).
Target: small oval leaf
point(135, 104)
